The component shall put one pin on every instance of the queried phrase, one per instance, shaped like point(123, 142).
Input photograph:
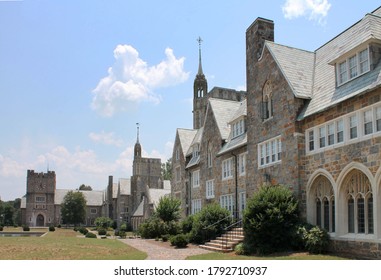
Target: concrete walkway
point(160, 252)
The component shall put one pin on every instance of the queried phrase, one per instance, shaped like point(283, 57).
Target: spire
point(199, 40)
point(137, 137)
point(138, 147)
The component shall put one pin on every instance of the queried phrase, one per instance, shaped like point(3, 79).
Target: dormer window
point(352, 67)
point(238, 128)
point(195, 151)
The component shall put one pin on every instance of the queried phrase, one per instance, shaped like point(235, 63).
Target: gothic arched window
point(267, 101)
point(360, 203)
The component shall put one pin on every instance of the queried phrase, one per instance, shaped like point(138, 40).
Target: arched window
point(325, 203)
point(360, 203)
point(267, 101)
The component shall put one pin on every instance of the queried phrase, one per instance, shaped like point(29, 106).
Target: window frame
point(265, 156)
point(344, 67)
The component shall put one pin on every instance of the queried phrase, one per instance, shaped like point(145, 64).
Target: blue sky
point(76, 76)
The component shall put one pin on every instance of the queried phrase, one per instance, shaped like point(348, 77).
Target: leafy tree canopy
point(73, 208)
point(166, 170)
point(168, 209)
point(83, 187)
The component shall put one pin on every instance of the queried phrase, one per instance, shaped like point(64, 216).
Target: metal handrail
point(233, 225)
point(227, 217)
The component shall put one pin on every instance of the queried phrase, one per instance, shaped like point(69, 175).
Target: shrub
point(270, 219)
point(165, 237)
point(83, 230)
point(75, 229)
point(52, 228)
point(240, 249)
point(209, 223)
point(168, 209)
point(90, 235)
point(179, 240)
point(122, 234)
point(187, 224)
point(155, 228)
point(1, 228)
point(59, 226)
point(25, 228)
point(123, 227)
point(103, 222)
point(102, 231)
point(316, 240)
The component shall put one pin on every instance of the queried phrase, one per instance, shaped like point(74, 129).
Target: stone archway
point(40, 220)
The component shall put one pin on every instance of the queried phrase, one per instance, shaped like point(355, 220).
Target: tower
point(200, 89)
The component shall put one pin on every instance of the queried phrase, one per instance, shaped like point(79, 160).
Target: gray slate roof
point(296, 65)
point(125, 186)
point(186, 137)
point(233, 144)
point(223, 111)
point(325, 93)
point(241, 112)
point(93, 198)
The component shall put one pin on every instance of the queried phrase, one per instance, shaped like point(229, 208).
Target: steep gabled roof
point(241, 112)
point(125, 186)
point(297, 67)
point(186, 137)
point(325, 92)
point(223, 111)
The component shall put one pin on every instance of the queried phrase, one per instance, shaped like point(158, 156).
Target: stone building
point(315, 126)
point(129, 200)
point(312, 122)
point(207, 158)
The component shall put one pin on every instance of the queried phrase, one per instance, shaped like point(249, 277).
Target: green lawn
point(291, 256)
point(64, 244)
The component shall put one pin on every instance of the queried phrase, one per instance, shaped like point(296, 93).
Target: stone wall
point(363, 250)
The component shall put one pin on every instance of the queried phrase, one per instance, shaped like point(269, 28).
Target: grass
point(64, 244)
point(286, 256)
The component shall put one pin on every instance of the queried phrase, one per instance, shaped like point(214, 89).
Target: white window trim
point(346, 61)
point(278, 150)
point(228, 164)
point(227, 202)
point(196, 178)
point(209, 189)
point(93, 210)
point(242, 162)
point(196, 206)
point(361, 136)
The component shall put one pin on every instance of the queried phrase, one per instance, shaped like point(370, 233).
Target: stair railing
point(206, 235)
point(232, 232)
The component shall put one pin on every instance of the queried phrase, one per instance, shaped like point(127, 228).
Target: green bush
point(1, 228)
point(209, 223)
point(52, 228)
point(168, 209)
point(316, 240)
point(75, 229)
point(156, 228)
point(179, 240)
point(103, 222)
point(59, 226)
point(123, 227)
point(122, 234)
point(165, 237)
point(25, 228)
point(269, 220)
point(240, 249)
point(90, 235)
point(83, 230)
point(187, 224)
point(102, 231)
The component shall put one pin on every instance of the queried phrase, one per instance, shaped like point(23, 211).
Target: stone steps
point(226, 242)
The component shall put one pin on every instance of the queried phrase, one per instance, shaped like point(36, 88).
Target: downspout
point(236, 186)
point(190, 194)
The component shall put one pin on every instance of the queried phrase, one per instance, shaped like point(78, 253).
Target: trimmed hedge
point(179, 240)
point(90, 235)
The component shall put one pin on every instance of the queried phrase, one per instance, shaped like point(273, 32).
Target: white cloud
point(130, 80)
point(106, 138)
point(313, 9)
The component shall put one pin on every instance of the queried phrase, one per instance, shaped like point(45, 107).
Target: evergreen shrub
point(90, 235)
point(179, 240)
point(270, 219)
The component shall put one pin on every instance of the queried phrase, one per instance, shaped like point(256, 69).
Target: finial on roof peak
point(199, 40)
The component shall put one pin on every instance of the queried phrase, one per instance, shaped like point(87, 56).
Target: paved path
point(157, 252)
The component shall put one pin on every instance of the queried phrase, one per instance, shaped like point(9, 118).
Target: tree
point(270, 219)
point(168, 209)
point(83, 187)
point(103, 222)
point(73, 208)
point(166, 170)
